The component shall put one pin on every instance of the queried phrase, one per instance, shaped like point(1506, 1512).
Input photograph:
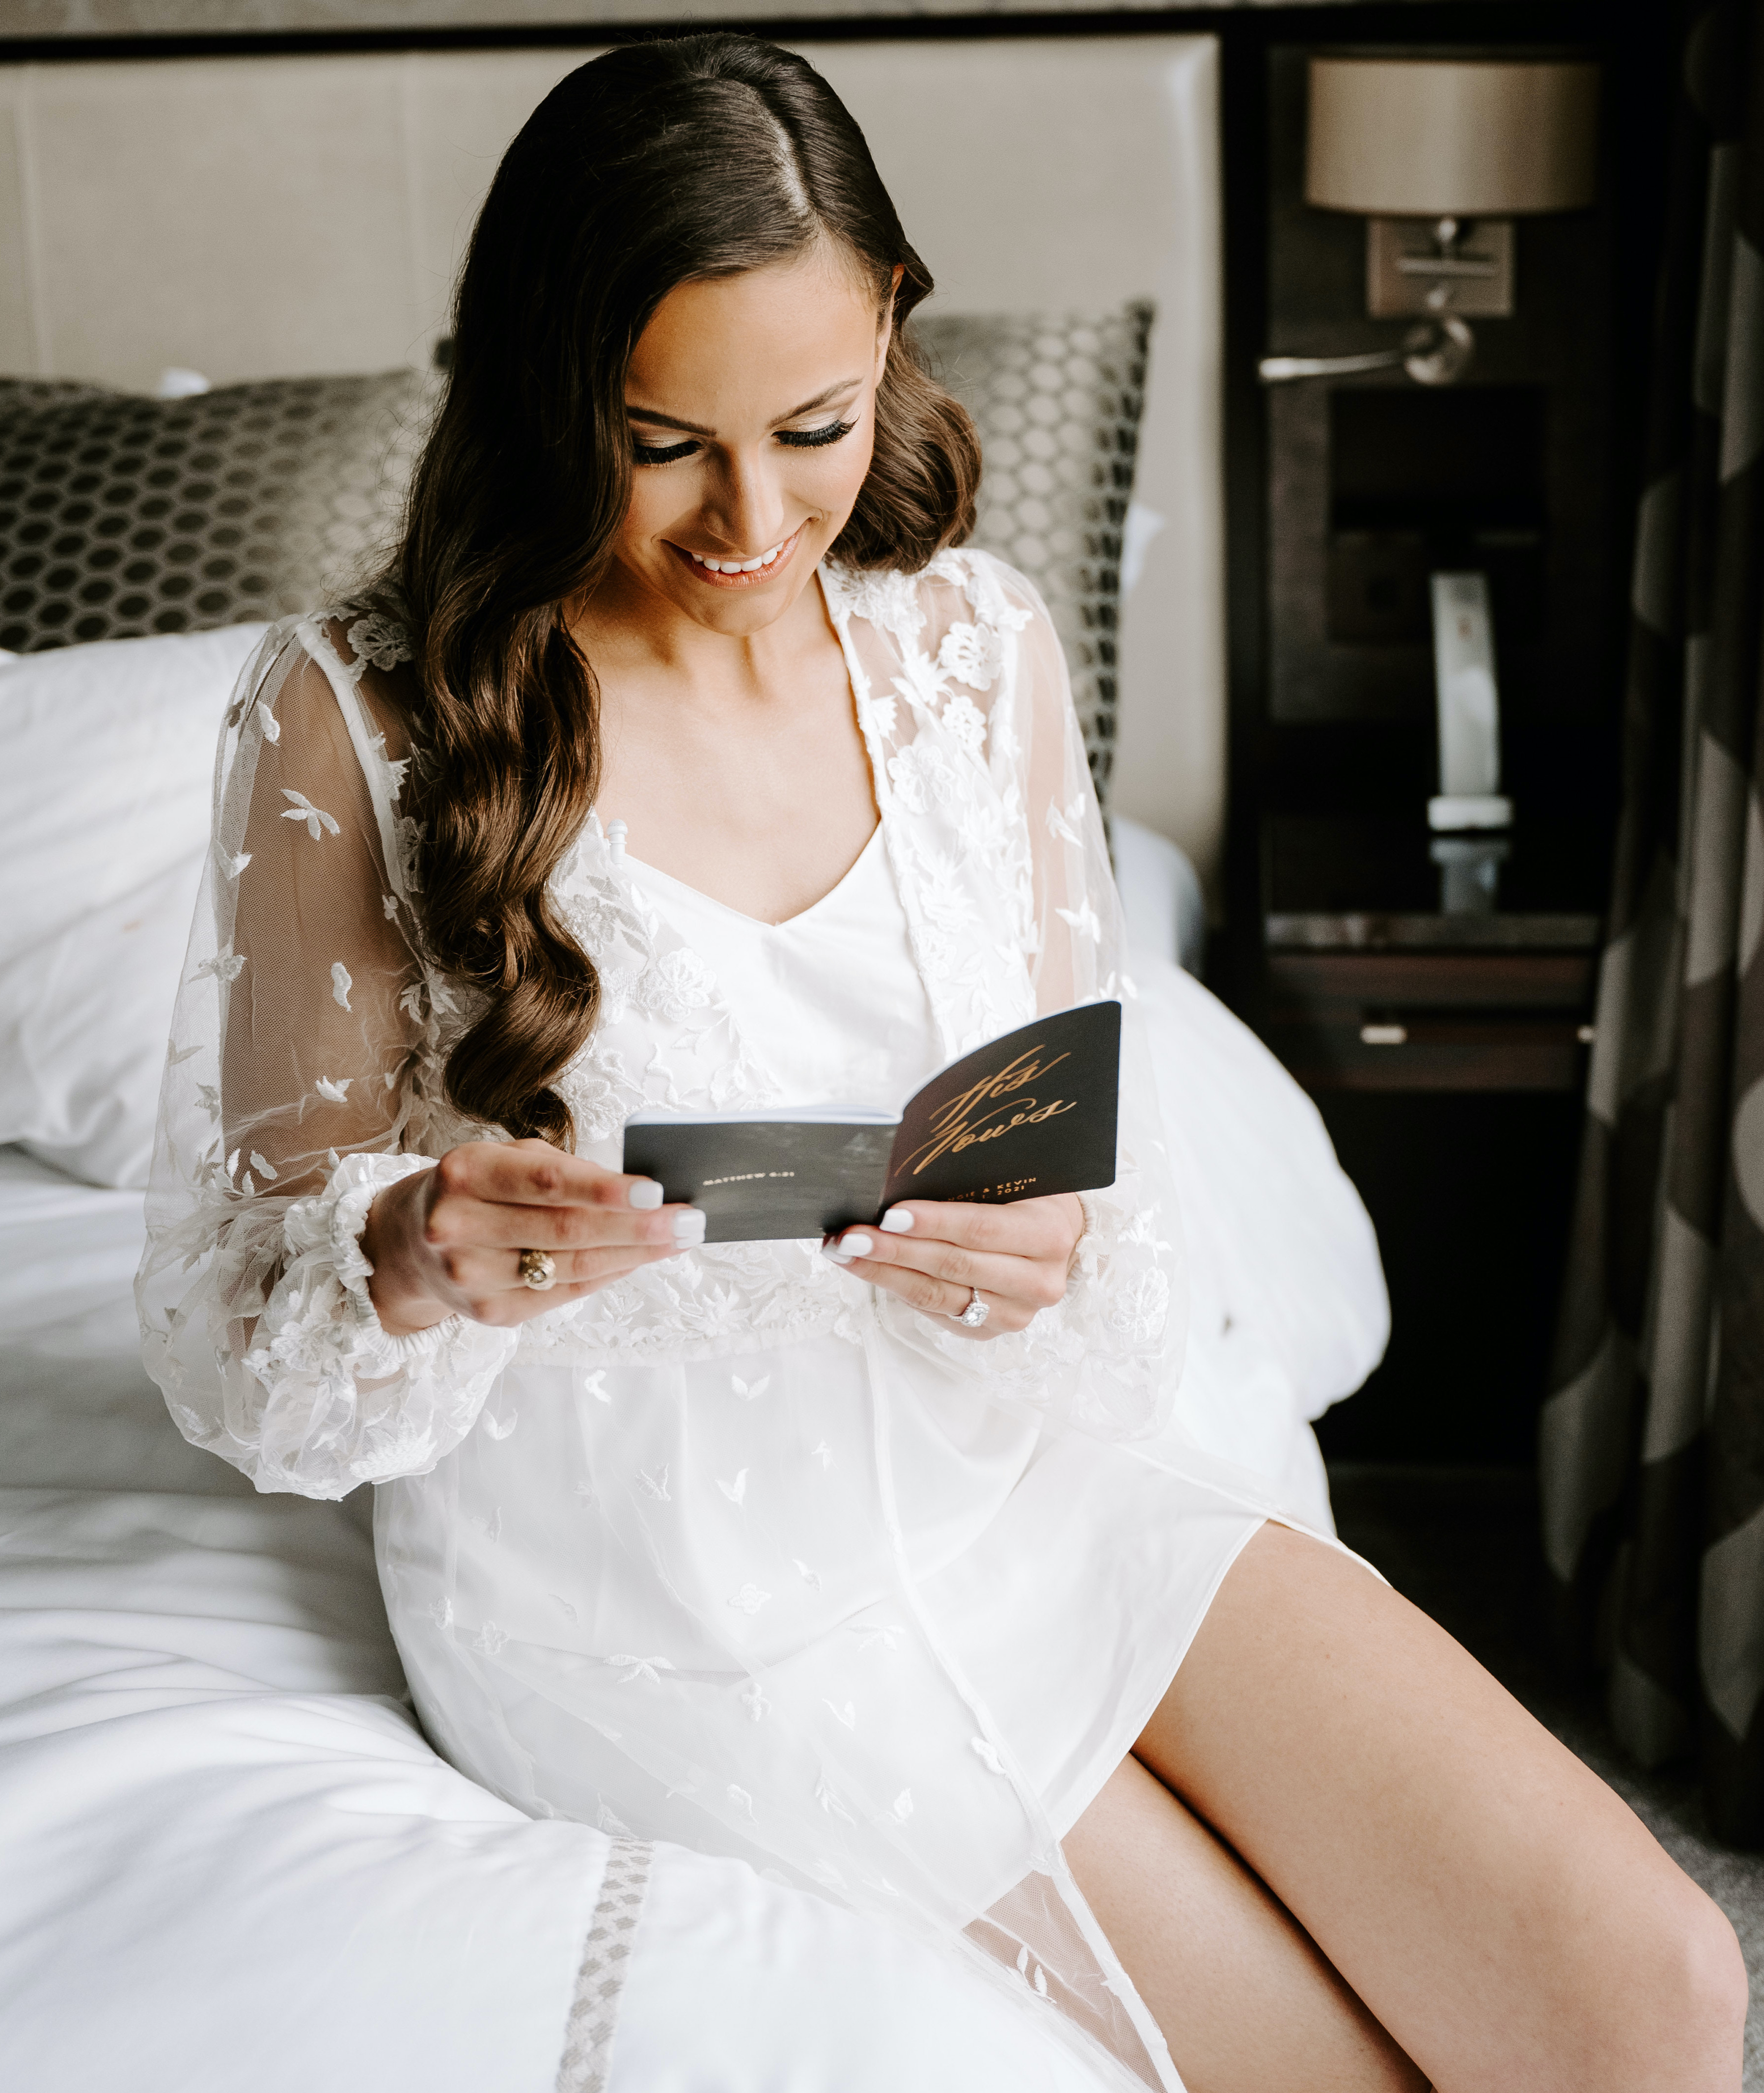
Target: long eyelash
point(810, 440)
point(660, 454)
point(800, 439)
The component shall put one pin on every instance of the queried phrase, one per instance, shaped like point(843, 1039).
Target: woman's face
point(752, 402)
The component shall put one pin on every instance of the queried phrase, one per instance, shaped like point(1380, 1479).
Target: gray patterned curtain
point(1652, 1442)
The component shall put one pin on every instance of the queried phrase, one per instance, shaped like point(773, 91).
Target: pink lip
point(757, 577)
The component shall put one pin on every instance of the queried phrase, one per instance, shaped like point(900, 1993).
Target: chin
point(741, 614)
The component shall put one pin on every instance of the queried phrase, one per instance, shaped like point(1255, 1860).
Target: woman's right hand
point(448, 1241)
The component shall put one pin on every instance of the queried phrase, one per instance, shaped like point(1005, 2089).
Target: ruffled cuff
point(343, 1400)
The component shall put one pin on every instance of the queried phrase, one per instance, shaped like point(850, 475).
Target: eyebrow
point(696, 429)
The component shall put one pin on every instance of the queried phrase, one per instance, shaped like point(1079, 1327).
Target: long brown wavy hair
point(658, 164)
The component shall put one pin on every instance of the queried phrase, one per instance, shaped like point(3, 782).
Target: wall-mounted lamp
point(1439, 156)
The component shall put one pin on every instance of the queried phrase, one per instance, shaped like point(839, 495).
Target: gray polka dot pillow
point(121, 515)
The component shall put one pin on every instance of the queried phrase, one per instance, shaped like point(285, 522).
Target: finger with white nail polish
point(896, 1220)
point(644, 1194)
point(857, 1244)
point(688, 1228)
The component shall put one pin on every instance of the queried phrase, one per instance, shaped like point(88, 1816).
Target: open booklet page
point(1026, 1116)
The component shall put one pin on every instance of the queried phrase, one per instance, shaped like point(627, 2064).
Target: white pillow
point(107, 760)
point(84, 1017)
point(106, 756)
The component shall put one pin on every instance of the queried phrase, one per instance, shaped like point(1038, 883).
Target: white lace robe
point(875, 1671)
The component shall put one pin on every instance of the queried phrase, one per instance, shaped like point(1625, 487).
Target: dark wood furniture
point(1372, 983)
point(1446, 1048)
point(1447, 1052)
point(1394, 1021)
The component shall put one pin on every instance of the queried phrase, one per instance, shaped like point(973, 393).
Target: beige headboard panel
point(260, 217)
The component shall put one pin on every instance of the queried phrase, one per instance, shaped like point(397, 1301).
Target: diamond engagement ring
point(975, 1313)
point(537, 1269)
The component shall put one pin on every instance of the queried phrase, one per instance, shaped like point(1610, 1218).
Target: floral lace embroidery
point(378, 635)
point(389, 1405)
point(889, 600)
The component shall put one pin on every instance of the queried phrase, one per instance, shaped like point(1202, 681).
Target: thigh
point(1245, 2002)
point(1499, 1909)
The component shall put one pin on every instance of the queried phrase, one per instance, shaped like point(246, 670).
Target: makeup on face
point(723, 572)
point(716, 566)
point(750, 400)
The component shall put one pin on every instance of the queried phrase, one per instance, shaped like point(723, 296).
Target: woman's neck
point(630, 631)
point(734, 759)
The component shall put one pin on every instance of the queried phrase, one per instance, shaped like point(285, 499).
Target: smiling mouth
point(721, 572)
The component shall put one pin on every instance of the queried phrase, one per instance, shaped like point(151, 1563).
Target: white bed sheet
point(228, 1858)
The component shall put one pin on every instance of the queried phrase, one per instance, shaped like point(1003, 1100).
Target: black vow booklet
point(1020, 1118)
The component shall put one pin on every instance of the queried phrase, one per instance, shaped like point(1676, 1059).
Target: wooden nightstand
point(1371, 984)
point(1446, 1050)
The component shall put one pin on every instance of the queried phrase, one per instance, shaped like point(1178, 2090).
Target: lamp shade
point(1451, 137)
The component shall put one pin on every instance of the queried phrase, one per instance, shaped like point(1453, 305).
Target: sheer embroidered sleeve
point(1107, 1359)
point(300, 1079)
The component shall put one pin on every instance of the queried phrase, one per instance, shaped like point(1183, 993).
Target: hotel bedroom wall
point(257, 217)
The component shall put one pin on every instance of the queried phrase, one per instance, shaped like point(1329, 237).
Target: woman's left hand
point(937, 1253)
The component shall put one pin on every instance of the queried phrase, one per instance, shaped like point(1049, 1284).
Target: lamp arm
point(1436, 354)
point(1282, 370)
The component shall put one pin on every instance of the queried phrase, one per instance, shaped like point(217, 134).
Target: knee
point(1687, 1996)
point(1716, 1990)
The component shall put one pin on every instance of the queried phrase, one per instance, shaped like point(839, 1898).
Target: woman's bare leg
point(1245, 2001)
point(1499, 1910)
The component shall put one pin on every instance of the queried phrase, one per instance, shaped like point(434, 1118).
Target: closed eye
point(797, 439)
point(810, 440)
point(661, 453)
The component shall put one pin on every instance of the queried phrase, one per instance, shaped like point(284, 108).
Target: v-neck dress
point(812, 1015)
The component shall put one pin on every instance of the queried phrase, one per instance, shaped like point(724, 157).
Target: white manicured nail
point(835, 1254)
point(644, 1194)
point(857, 1245)
point(689, 1227)
point(896, 1220)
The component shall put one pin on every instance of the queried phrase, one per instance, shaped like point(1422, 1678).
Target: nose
point(746, 511)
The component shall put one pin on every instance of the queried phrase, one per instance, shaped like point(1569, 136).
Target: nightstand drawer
point(1431, 1022)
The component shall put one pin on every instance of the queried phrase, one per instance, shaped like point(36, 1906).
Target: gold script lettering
point(979, 1114)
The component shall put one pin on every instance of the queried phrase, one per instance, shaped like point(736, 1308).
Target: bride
point(681, 759)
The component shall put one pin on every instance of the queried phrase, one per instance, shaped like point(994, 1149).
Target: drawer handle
point(1384, 1035)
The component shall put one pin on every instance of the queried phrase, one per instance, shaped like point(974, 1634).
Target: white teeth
point(740, 566)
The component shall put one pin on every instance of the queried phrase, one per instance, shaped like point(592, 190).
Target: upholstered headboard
point(288, 216)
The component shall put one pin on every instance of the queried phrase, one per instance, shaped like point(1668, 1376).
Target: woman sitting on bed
point(874, 1562)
